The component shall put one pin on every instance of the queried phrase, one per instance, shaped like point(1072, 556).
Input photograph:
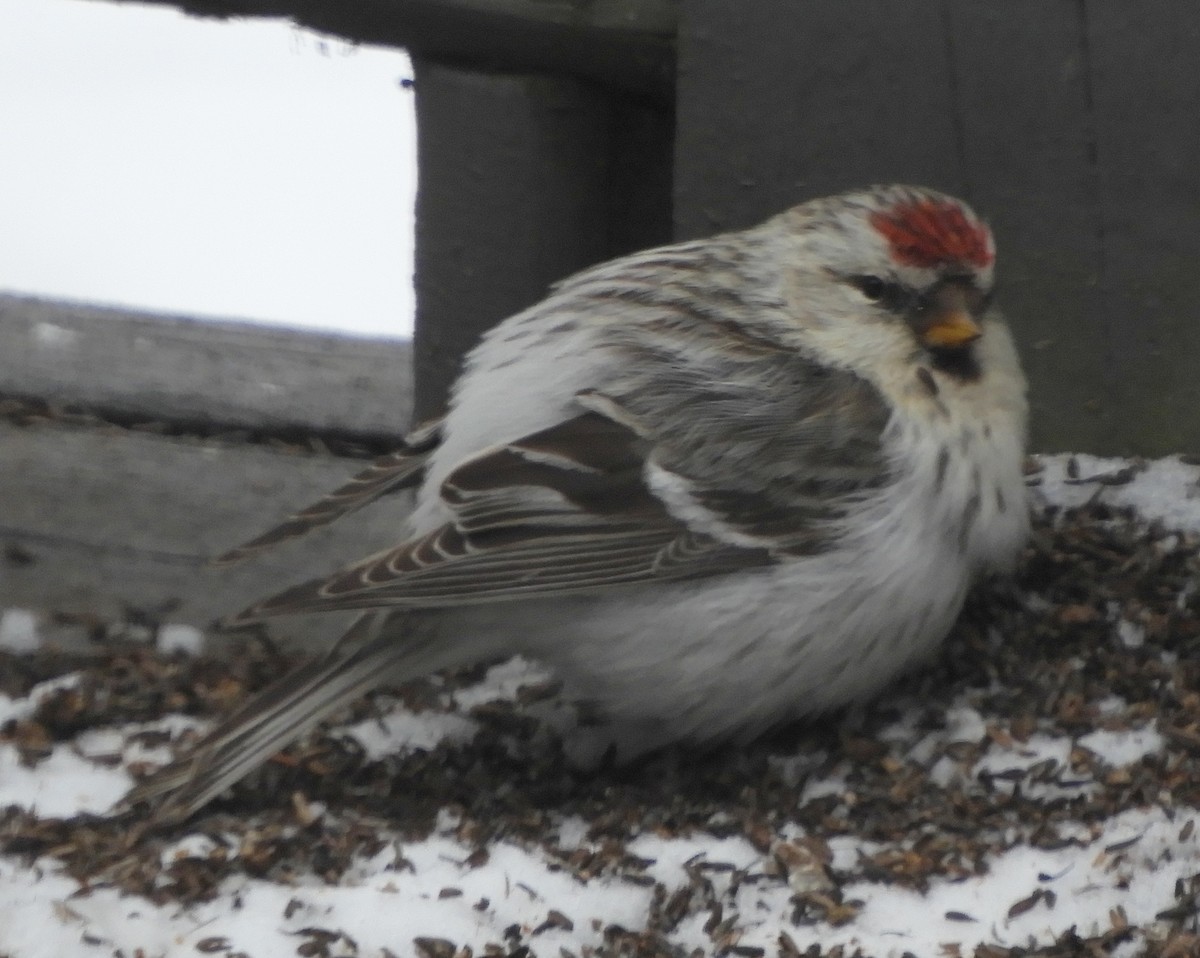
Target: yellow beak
point(951, 329)
point(948, 320)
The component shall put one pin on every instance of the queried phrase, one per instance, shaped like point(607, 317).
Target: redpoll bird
point(714, 486)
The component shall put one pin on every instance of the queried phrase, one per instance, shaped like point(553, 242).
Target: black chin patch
point(960, 363)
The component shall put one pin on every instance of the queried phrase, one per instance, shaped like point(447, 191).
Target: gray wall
point(1073, 125)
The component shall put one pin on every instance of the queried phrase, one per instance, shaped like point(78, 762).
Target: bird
point(714, 486)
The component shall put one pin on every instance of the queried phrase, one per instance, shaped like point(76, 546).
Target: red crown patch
point(930, 233)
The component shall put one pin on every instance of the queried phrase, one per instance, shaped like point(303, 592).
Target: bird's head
point(901, 258)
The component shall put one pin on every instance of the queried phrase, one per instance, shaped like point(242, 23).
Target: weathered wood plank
point(1021, 96)
point(1146, 95)
point(778, 103)
point(98, 520)
point(204, 372)
point(627, 44)
point(515, 194)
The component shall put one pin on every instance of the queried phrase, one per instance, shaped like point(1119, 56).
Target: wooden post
point(523, 180)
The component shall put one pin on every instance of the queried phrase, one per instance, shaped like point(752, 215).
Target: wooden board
point(515, 194)
point(627, 44)
point(108, 522)
point(1022, 95)
point(103, 520)
point(1146, 95)
point(778, 103)
point(204, 372)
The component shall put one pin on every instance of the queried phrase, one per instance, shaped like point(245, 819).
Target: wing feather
point(398, 470)
point(563, 511)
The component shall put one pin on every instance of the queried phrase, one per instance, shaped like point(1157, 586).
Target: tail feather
point(280, 714)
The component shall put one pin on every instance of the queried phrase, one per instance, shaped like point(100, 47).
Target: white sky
point(244, 169)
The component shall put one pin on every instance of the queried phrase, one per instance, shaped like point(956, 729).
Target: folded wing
point(402, 469)
point(562, 511)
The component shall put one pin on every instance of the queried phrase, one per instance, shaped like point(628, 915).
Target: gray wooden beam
point(98, 521)
point(627, 44)
point(203, 372)
point(524, 180)
point(1145, 93)
point(98, 517)
point(1021, 98)
point(778, 103)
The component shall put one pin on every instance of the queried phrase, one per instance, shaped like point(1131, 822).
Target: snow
point(1088, 884)
point(17, 709)
point(51, 335)
point(439, 894)
point(18, 630)
point(1125, 868)
point(1167, 490)
point(61, 785)
point(175, 637)
point(399, 731)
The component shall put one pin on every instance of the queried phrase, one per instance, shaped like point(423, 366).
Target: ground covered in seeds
point(1034, 792)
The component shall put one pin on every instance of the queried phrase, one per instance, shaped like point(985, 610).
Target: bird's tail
point(284, 711)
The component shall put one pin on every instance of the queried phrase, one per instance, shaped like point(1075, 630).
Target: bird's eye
point(871, 287)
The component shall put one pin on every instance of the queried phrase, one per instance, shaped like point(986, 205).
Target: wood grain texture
point(100, 519)
point(1022, 96)
point(1146, 95)
point(778, 103)
point(203, 372)
point(524, 180)
point(626, 44)
point(104, 520)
